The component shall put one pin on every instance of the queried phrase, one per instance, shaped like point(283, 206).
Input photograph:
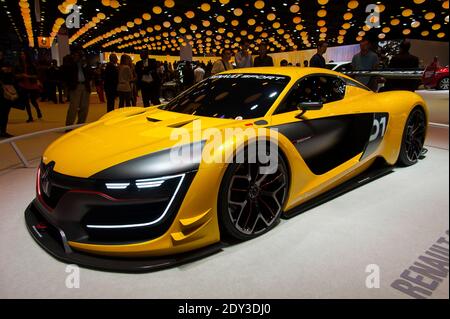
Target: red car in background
point(436, 77)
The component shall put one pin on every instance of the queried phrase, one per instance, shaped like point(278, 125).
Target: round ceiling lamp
point(294, 8)
point(395, 22)
point(322, 13)
point(415, 24)
point(407, 12)
point(205, 7)
point(436, 26)
point(380, 8)
point(157, 10)
point(430, 15)
point(425, 33)
point(238, 12)
point(259, 4)
point(297, 20)
point(271, 16)
point(322, 2)
point(406, 31)
point(190, 14)
point(353, 4)
point(169, 3)
point(348, 16)
point(146, 16)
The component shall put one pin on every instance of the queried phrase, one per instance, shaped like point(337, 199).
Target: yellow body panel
point(127, 134)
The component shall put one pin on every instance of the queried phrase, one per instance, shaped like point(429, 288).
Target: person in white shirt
point(223, 64)
point(199, 73)
point(243, 58)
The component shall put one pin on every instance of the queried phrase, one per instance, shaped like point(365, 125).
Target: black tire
point(413, 138)
point(443, 84)
point(251, 203)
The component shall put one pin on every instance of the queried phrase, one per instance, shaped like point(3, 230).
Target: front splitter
point(53, 241)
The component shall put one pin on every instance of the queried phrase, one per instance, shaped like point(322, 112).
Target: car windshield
point(230, 96)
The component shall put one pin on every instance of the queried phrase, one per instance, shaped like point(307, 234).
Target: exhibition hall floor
point(322, 253)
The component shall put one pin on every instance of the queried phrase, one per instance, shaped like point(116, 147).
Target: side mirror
point(310, 106)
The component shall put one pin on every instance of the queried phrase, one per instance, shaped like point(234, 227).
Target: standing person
point(134, 90)
point(223, 64)
point(147, 79)
point(124, 84)
point(199, 72)
point(318, 61)
point(243, 58)
point(208, 69)
point(98, 82)
point(306, 64)
point(263, 59)
point(111, 79)
point(28, 83)
point(79, 78)
point(54, 83)
point(284, 62)
point(188, 75)
point(41, 69)
point(403, 61)
point(366, 60)
point(8, 94)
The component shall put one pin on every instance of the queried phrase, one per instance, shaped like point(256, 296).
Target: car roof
point(294, 72)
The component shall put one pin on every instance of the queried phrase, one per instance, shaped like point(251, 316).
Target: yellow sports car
point(146, 188)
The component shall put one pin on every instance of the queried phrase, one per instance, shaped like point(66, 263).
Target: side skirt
point(372, 174)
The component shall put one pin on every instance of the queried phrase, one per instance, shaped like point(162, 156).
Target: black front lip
point(55, 243)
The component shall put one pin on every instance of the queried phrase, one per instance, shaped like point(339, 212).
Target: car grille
point(109, 215)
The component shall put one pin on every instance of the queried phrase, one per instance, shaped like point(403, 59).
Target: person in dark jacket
point(54, 83)
point(263, 59)
point(403, 61)
point(6, 78)
point(28, 84)
point(78, 76)
point(318, 61)
point(148, 80)
point(111, 76)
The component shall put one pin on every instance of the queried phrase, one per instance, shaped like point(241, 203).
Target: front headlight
point(170, 184)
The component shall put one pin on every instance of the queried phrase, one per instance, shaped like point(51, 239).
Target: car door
point(325, 138)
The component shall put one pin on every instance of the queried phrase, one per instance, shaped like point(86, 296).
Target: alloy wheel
point(415, 135)
point(254, 199)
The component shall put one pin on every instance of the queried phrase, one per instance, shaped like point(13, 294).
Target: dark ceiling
point(286, 25)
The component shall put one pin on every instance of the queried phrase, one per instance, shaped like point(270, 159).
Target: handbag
point(10, 92)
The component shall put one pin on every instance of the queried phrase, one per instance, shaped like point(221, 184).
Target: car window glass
point(317, 88)
point(231, 96)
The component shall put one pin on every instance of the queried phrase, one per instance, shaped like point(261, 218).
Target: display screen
point(230, 96)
